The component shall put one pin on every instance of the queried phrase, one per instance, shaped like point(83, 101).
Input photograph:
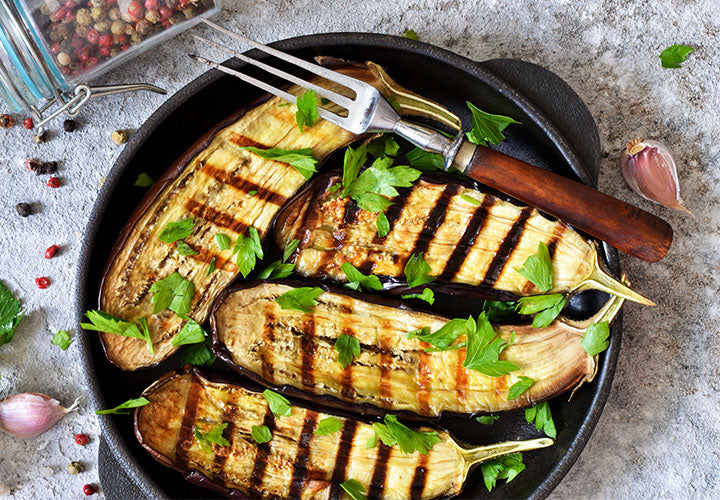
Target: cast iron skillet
point(557, 133)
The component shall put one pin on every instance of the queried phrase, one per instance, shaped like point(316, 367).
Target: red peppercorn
point(165, 13)
point(49, 254)
point(82, 439)
point(83, 54)
point(151, 4)
point(135, 10)
point(59, 14)
point(93, 36)
point(55, 48)
point(70, 15)
point(123, 48)
point(105, 40)
point(91, 62)
point(104, 50)
point(53, 182)
point(28, 123)
point(89, 489)
point(42, 282)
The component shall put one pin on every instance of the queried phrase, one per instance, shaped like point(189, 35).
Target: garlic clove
point(649, 169)
point(30, 414)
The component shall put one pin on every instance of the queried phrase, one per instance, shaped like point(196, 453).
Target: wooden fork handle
point(624, 226)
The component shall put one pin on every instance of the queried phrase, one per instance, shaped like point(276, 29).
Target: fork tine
point(331, 75)
point(333, 96)
point(323, 113)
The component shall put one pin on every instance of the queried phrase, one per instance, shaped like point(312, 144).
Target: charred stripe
point(308, 348)
point(377, 483)
point(217, 217)
point(346, 378)
point(558, 232)
point(342, 458)
point(229, 416)
point(262, 454)
point(506, 248)
point(300, 467)
point(435, 219)
point(461, 377)
point(243, 185)
point(188, 421)
point(418, 482)
point(242, 142)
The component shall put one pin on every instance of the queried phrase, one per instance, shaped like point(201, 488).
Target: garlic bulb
point(649, 169)
point(30, 414)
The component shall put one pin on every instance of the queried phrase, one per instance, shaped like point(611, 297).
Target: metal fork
point(622, 225)
point(368, 111)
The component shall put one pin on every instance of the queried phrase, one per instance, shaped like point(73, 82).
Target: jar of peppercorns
point(51, 49)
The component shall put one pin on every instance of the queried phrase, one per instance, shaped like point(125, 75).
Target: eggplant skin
point(225, 190)
point(473, 247)
point(296, 463)
point(294, 352)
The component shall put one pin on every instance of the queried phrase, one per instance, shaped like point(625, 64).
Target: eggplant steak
point(468, 238)
point(296, 462)
point(294, 351)
point(225, 190)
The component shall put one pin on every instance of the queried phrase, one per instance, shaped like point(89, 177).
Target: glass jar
point(51, 49)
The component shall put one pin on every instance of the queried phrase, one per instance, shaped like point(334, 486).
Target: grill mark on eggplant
point(377, 483)
point(188, 420)
point(262, 454)
point(418, 482)
point(351, 212)
point(558, 232)
point(217, 217)
point(386, 359)
point(346, 379)
point(435, 219)
point(506, 249)
point(423, 379)
point(242, 142)
point(461, 377)
point(268, 372)
point(308, 348)
point(467, 240)
point(342, 458)
point(229, 416)
point(243, 185)
point(300, 466)
point(393, 211)
point(309, 220)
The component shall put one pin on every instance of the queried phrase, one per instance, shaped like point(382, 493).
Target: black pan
point(557, 133)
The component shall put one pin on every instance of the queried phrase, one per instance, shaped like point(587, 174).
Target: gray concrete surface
point(659, 434)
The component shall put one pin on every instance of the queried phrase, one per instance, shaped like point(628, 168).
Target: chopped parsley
point(301, 160)
point(385, 145)
point(354, 489)
point(371, 188)
point(290, 249)
point(358, 280)
point(383, 225)
point(348, 348)
point(416, 271)
point(673, 56)
point(487, 128)
point(199, 354)
point(190, 333)
point(545, 307)
point(538, 268)
point(62, 339)
point(261, 434)
point(470, 199)
point(484, 347)
point(540, 413)
point(214, 435)
point(124, 408)
point(248, 249)
point(173, 292)
point(499, 312)
point(10, 314)
point(280, 268)
point(427, 295)
point(211, 267)
point(487, 419)
point(144, 180)
point(300, 299)
point(392, 432)
point(222, 241)
point(179, 230)
point(425, 160)
point(410, 34)
point(520, 387)
point(185, 249)
point(278, 404)
point(103, 322)
point(307, 112)
point(595, 340)
point(505, 467)
point(327, 426)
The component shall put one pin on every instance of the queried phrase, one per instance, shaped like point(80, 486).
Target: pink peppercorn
point(51, 251)
point(89, 489)
point(53, 182)
point(42, 282)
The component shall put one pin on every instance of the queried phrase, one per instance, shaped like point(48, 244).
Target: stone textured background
point(659, 434)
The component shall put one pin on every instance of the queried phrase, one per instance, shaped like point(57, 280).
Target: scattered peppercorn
point(6, 121)
point(49, 254)
point(81, 439)
point(23, 209)
point(42, 282)
point(89, 489)
point(28, 123)
point(75, 467)
point(69, 125)
point(53, 182)
point(41, 167)
point(119, 137)
point(40, 138)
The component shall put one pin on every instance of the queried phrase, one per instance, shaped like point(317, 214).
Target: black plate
point(557, 133)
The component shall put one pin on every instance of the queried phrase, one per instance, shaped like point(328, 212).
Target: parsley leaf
point(290, 249)
point(377, 182)
point(424, 160)
point(538, 268)
point(548, 308)
point(393, 432)
point(484, 348)
point(384, 145)
point(353, 161)
point(442, 338)
point(543, 418)
point(185, 249)
point(190, 333)
point(247, 249)
point(179, 230)
point(10, 314)
point(383, 225)
point(519, 387)
point(427, 295)
point(211, 267)
point(276, 270)
point(487, 419)
point(354, 489)
point(222, 241)
point(327, 426)
point(300, 299)
point(261, 434)
point(199, 354)
point(470, 199)
point(497, 311)
point(358, 280)
point(595, 339)
point(348, 348)
point(416, 271)
point(673, 56)
point(214, 435)
point(102, 322)
point(173, 292)
point(144, 180)
point(301, 160)
point(307, 112)
point(487, 127)
point(278, 404)
point(62, 339)
point(124, 408)
point(505, 467)
point(410, 34)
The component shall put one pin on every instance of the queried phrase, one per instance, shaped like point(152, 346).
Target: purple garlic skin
point(649, 169)
point(30, 414)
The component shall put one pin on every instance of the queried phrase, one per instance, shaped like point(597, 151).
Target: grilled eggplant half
point(296, 463)
point(471, 239)
point(293, 351)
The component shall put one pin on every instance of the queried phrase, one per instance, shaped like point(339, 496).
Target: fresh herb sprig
point(174, 231)
point(301, 160)
point(487, 128)
point(173, 292)
point(279, 405)
point(300, 299)
point(392, 433)
point(354, 489)
point(595, 340)
point(540, 413)
point(674, 56)
point(427, 295)
point(124, 408)
point(348, 348)
point(261, 434)
point(101, 321)
point(359, 281)
point(247, 250)
point(328, 425)
point(538, 268)
point(307, 112)
point(505, 467)
point(10, 314)
point(417, 271)
point(545, 307)
point(280, 268)
point(214, 435)
point(62, 339)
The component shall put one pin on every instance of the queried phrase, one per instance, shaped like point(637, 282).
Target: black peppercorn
point(23, 209)
point(41, 168)
point(6, 121)
point(69, 125)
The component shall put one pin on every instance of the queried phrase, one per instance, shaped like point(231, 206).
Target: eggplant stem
point(599, 279)
point(473, 456)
